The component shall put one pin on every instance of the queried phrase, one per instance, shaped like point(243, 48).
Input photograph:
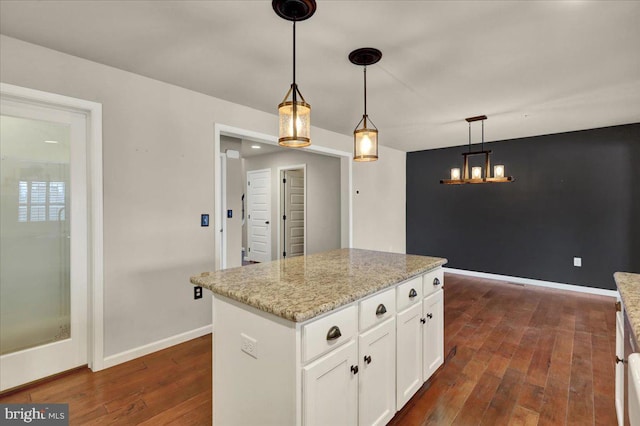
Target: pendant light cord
point(365, 96)
point(469, 145)
point(294, 87)
point(294, 62)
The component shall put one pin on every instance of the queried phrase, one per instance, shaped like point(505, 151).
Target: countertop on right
point(629, 287)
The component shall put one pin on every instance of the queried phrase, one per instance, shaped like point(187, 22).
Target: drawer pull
point(333, 333)
point(381, 310)
point(367, 359)
point(436, 281)
point(422, 320)
point(354, 369)
point(412, 293)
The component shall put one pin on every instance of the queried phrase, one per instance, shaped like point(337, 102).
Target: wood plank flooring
point(520, 355)
point(169, 387)
point(516, 355)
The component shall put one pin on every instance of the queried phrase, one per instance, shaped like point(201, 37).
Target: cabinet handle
point(412, 293)
point(422, 320)
point(354, 369)
point(436, 281)
point(618, 307)
point(334, 333)
point(367, 359)
point(429, 316)
point(624, 361)
point(381, 310)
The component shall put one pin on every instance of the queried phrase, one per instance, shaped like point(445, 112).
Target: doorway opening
point(314, 160)
point(292, 224)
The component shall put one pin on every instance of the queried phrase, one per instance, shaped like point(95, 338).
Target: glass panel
point(34, 233)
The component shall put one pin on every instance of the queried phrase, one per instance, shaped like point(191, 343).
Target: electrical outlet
point(197, 292)
point(249, 345)
point(577, 261)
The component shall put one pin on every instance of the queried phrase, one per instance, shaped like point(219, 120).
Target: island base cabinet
point(377, 382)
point(409, 354)
point(330, 388)
point(433, 334)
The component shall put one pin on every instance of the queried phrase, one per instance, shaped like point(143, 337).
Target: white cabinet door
point(408, 354)
point(330, 388)
point(432, 334)
point(619, 383)
point(377, 387)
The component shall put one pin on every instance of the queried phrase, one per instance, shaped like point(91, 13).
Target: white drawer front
point(409, 293)
point(432, 281)
point(324, 334)
point(371, 309)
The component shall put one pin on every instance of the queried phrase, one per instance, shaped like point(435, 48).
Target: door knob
point(367, 359)
point(354, 369)
point(429, 316)
point(267, 222)
point(422, 320)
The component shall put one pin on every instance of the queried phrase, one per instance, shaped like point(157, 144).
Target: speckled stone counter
point(301, 288)
point(629, 287)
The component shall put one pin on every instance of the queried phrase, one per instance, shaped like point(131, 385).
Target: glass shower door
point(42, 242)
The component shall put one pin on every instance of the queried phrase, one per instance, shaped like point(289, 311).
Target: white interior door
point(43, 242)
point(259, 215)
point(293, 213)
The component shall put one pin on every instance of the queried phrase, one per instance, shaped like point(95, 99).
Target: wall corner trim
point(539, 283)
point(119, 358)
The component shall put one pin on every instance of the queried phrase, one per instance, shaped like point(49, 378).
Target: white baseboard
point(134, 353)
point(529, 281)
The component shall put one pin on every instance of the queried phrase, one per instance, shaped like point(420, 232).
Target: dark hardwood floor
point(516, 355)
point(520, 355)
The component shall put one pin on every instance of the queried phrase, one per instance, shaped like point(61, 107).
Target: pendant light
point(294, 113)
point(478, 175)
point(365, 138)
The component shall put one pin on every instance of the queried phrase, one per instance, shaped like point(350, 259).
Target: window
point(41, 201)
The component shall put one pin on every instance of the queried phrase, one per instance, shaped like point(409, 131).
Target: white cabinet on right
point(420, 334)
point(432, 334)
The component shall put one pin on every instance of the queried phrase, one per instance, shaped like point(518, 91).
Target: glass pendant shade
point(295, 123)
point(365, 144)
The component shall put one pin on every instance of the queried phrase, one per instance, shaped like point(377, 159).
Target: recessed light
point(50, 141)
point(256, 146)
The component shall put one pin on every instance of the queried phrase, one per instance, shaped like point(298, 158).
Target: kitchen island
point(340, 337)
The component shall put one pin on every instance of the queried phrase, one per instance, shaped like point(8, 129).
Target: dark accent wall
point(575, 194)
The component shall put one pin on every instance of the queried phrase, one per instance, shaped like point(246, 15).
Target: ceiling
point(533, 67)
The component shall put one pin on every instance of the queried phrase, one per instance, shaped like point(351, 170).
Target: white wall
point(323, 196)
point(234, 203)
point(379, 207)
point(158, 143)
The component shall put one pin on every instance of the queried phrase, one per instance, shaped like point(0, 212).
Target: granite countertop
point(304, 287)
point(629, 287)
